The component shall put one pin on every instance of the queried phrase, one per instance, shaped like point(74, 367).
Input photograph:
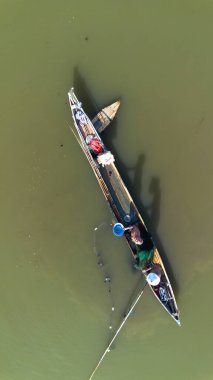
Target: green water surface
point(157, 57)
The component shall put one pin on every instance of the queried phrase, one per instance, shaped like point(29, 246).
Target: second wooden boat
point(105, 116)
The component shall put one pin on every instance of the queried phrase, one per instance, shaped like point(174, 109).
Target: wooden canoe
point(120, 201)
point(105, 116)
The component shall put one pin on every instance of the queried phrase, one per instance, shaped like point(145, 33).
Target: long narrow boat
point(121, 204)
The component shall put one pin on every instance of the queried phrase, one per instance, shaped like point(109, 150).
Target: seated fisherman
point(135, 234)
point(143, 257)
point(80, 117)
point(154, 276)
point(144, 248)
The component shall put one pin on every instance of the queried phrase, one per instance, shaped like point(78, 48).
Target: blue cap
point(118, 229)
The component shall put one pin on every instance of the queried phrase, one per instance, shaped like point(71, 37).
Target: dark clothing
point(147, 245)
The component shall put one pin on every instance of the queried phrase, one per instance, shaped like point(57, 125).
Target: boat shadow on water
point(88, 101)
point(150, 213)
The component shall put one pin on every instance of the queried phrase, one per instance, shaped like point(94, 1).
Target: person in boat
point(80, 117)
point(144, 248)
point(94, 144)
point(153, 279)
point(144, 255)
point(154, 276)
point(135, 234)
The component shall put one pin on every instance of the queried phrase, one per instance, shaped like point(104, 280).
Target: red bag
point(96, 146)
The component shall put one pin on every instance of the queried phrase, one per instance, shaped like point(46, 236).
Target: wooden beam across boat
point(120, 200)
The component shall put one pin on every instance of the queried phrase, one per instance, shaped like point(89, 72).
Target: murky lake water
point(55, 309)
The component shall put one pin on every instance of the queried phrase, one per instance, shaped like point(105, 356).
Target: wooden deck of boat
point(119, 193)
point(123, 200)
point(126, 206)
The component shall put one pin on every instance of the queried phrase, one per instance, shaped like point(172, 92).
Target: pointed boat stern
point(105, 116)
point(111, 110)
point(73, 100)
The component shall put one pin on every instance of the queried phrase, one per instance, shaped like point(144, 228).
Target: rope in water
point(106, 276)
point(103, 186)
point(117, 332)
point(107, 279)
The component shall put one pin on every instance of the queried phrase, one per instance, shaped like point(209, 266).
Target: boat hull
point(105, 116)
point(121, 202)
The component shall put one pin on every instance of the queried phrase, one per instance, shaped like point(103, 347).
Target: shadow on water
point(154, 189)
point(83, 93)
point(90, 106)
point(150, 213)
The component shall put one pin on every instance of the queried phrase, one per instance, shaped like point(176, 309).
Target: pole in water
point(117, 332)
